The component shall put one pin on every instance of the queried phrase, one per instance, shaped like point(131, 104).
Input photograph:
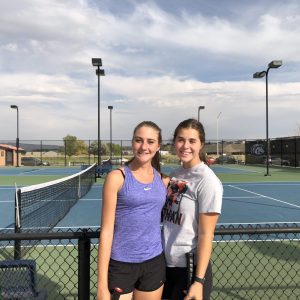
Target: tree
point(94, 148)
point(70, 144)
point(116, 149)
point(82, 148)
point(74, 146)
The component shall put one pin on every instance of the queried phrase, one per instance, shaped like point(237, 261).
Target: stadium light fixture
point(199, 108)
point(97, 62)
point(274, 64)
point(110, 130)
point(17, 139)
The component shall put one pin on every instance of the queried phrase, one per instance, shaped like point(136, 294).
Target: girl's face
point(188, 146)
point(145, 144)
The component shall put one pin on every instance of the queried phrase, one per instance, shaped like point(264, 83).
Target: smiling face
point(145, 144)
point(188, 146)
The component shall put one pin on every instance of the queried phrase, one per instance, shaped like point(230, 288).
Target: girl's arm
point(206, 228)
point(112, 185)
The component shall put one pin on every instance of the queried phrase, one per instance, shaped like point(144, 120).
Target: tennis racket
point(116, 294)
point(190, 256)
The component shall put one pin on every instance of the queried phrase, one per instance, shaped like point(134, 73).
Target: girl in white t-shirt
point(189, 216)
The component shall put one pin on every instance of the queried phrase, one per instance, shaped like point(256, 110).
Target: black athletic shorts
point(176, 283)
point(147, 276)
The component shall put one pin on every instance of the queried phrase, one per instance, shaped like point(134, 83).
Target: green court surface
point(256, 270)
point(27, 180)
point(241, 269)
point(57, 269)
point(242, 173)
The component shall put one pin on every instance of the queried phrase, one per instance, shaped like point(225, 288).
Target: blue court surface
point(243, 203)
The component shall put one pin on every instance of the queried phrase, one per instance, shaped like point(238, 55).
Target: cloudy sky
point(162, 60)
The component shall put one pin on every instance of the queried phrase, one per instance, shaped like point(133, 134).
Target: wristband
point(198, 279)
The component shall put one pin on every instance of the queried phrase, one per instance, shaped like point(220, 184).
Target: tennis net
point(40, 207)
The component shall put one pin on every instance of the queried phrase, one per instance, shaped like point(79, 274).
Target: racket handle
point(190, 268)
point(116, 294)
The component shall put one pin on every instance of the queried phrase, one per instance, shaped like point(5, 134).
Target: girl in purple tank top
point(130, 256)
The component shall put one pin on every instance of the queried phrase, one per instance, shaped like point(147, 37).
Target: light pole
point(218, 133)
point(110, 130)
point(97, 62)
point(199, 108)
point(17, 140)
point(274, 64)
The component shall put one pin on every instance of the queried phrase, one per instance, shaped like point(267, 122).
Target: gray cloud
point(161, 63)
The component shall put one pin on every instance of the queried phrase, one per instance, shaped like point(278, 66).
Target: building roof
point(10, 147)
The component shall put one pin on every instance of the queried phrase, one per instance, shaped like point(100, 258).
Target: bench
point(18, 280)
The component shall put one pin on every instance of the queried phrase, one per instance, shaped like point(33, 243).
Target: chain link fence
point(282, 151)
point(249, 262)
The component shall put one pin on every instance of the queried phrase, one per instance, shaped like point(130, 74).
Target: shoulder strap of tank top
point(159, 173)
point(122, 173)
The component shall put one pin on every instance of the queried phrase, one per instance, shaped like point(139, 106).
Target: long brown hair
point(194, 124)
point(155, 162)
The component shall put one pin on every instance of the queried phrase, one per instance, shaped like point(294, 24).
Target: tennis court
point(249, 198)
point(245, 201)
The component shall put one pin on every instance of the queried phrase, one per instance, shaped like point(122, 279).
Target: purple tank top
point(137, 232)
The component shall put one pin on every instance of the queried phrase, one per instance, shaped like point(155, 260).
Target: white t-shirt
point(190, 192)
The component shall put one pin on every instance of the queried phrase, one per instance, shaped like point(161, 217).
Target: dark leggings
point(176, 283)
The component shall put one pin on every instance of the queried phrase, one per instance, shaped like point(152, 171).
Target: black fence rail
point(248, 262)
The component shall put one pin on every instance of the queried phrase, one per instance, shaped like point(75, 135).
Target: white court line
point(274, 183)
point(76, 227)
point(82, 199)
point(246, 197)
point(263, 196)
point(91, 199)
point(264, 223)
point(29, 171)
point(255, 241)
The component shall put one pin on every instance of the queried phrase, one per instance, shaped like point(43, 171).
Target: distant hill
point(37, 147)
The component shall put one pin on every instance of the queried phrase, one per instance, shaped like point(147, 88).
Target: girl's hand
point(103, 294)
point(195, 292)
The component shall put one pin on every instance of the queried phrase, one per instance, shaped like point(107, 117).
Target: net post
point(17, 243)
point(79, 188)
point(84, 251)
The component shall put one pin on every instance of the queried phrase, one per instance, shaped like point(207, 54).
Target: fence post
point(84, 251)
point(89, 152)
point(41, 149)
point(295, 150)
